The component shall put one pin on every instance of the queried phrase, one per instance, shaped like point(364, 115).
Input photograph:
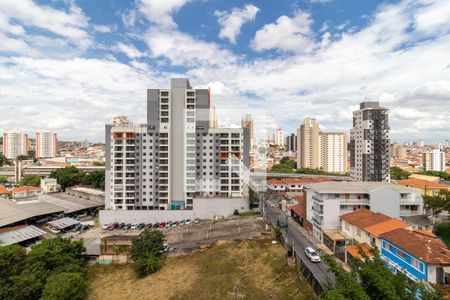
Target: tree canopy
point(30, 180)
point(371, 279)
point(52, 269)
point(398, 173)
point(146, 252)
point(437, 204)
point(70, 176)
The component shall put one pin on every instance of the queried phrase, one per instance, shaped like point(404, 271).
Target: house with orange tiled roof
point(420, 256)
point(429, 188)
point(4, 193)
point(365, 226)
point(26, 191)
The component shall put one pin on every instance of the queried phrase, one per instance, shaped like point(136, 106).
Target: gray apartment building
point(369, 143)
point(176, 156)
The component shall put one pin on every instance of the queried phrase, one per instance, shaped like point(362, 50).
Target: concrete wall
point(85, 195)
point(204, 208)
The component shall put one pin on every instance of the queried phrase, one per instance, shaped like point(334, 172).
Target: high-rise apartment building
point(15, 143)
point(291, 143)
point(433, 160)
point(317, 149)
point(46, 144)
point(333, 152)
point(398, 151)
point(279, 137)
point(247, 122)
point(176, 156)
point(308, 144)
point(369, 143)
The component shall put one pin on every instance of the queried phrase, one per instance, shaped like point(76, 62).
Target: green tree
point(438, 203)
point(3, 180)
point(148, 265)
point(371, 279)
point(98, 164)
point(31, 180)
point(65, 286)
point(289, 162)
point(398, 173)
point(12, 263)
point(68, 176)
point(23, 157)
point(4, 161)
point(95, 179)
point(146, 252)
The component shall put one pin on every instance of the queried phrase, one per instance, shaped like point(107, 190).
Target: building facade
point(328, 201)
point(321, 150)
point(15, 143)
point(369, 143)
point(333, 152)
point(291, 143)
point(176, 156)
point(46, 144)
point(279, 137)
point(434, 160)
point(308, 144)
point(247, 122)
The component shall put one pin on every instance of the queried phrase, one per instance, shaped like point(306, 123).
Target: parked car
point(141, 226)
point(168, 224)
point(134, 225)
point(188, 221)
point(312, 254)
point(197, 220)
point(162, 224)
point(182, 222)
point(128, 226)
point(156, 225)
point(105, 226)
point(175, 224)
point(122, 226)
point(149, 226)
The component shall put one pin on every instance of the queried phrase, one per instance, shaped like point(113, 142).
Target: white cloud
point(320, 1)
point(129, 50)
point(231, 22)
point(160, 11)
point(70, 24)
point(286, 34)
point(183, 49)
point(103, 28)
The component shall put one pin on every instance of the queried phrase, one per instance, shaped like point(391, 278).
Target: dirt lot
point(254, 269)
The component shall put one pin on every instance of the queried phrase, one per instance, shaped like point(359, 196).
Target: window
point(358, 232)
point(401, 253)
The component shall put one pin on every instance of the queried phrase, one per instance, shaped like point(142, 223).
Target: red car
point(162, 224)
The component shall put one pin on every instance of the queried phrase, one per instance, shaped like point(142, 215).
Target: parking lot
point(188, 235)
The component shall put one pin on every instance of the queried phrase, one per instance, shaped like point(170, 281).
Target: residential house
point(420, 256)
point(49, 185)
point(428, 188)
point(26, 191)
point(4, 193)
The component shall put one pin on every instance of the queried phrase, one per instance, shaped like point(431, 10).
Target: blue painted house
point(420, 256)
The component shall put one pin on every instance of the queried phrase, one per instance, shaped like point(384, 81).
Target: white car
point(105, 226)
point(312, 254)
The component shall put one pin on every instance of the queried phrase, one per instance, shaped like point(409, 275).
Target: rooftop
point(354, 250)
point(17, 234)
point(415, 182)
point(3, 190)
point(22, 189)
point(275, 182)
point(424, 247)
point(355, 187)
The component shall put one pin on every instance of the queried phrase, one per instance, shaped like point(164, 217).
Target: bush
point(65, 286)
point(148, 265)
point(236, 212)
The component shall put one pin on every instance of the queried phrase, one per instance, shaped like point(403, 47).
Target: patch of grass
point(443, 231)
point(249, 214)
point(256, 269)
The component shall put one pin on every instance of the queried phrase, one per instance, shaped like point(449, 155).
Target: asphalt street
point(300, 242)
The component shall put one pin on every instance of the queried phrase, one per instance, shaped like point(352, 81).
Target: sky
point(71, 66)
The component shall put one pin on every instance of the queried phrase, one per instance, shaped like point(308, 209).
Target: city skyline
point(108, 55)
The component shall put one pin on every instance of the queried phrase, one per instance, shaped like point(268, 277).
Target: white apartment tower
point(176, 156)
point(333, 152)
point(46, 144)
point(15, 143)
point(369, 143)
point(434, 160)
point(279, 137)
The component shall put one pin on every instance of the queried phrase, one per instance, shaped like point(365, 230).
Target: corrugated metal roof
point(63, 223)
point(20, 235)
point(12, 212)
